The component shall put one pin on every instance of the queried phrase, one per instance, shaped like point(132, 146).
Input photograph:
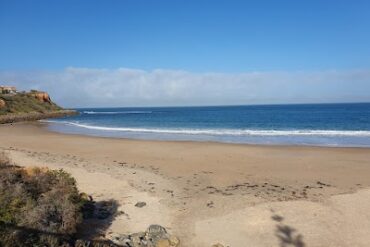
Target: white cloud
point(83, 87)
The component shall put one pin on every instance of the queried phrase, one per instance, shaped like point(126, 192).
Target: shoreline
point(46, 128)
point(36, 128)
point(198, 189)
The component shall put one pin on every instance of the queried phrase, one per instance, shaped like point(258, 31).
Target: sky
point(187, 52)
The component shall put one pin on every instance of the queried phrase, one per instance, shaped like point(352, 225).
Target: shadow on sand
point(98, 219)
point(288, 236)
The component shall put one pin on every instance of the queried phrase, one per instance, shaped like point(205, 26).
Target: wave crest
point(224, 132)
point(117, 112)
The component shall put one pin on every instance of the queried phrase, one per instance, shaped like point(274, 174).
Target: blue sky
point(48, 39)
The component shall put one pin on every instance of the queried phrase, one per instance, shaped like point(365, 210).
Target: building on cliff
point(8, 90)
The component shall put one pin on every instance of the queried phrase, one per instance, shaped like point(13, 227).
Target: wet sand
point(205, 193)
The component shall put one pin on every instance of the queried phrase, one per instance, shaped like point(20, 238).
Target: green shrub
point(39, 199)
point(42, 208)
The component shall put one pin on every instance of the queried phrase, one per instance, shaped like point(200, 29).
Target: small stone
point(163, 243)
point(217, 245)
point(140, 204)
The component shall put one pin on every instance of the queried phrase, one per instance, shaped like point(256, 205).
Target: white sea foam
point(117, 112)
point(224, 132)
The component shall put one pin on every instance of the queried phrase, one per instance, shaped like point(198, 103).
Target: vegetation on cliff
point(25, 103)
point(29, 106)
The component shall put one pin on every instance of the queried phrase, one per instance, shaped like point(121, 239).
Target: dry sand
point(205, 193)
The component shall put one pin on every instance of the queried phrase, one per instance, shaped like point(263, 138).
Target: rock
point(41, 96)
point(154, 233)
point(174, 241)
point(163, 243)
point(156, 230)
point(140, 204)
point(155, 236)
point(2, 103)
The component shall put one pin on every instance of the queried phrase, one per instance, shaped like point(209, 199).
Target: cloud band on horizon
point(88, 87)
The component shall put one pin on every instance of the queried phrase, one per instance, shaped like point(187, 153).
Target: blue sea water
point(305, 124)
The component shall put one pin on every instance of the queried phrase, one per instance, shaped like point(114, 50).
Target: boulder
point(156, 230)
point(155, 233)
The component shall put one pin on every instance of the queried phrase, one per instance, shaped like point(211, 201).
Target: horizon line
point(231, 105)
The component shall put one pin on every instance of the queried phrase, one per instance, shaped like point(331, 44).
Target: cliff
point(41, 96)
point(27, 106)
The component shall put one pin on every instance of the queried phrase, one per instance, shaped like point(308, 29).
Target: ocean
point(344, 125)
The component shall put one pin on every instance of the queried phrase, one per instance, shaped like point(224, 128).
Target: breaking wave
point(225, 132)
point(117, 112)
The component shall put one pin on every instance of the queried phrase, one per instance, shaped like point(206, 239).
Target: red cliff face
point(2, 103)
point(42, 96)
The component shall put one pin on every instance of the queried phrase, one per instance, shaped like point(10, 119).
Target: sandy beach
point(207, 193)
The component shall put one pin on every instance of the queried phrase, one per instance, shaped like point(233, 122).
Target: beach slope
point(207, 193)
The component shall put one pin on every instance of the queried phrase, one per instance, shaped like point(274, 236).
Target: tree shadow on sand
point(99, 216)
point(287, 235)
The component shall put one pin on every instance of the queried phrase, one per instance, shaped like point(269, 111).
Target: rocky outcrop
point(154, 236)
point(41, 96)
point(29, 106)
point(32, 116)
point(2, 103)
